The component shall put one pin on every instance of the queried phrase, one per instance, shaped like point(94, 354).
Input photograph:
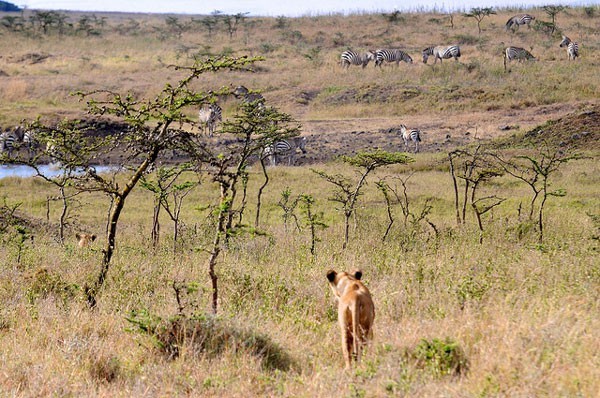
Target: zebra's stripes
point(285, 148)
point(441, 52)
point(350, 57)
point(209, 115)
point(394, 55)
point(516, 53)
point(521, 19)
point(572, 47)
point(9, 141)
point(409, 135)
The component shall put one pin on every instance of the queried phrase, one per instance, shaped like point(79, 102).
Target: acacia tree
point(553, 11)
point(348, 191)
point(254, 127)
point(169, 194)
point(479, 14)
point(474, 168)
point(535, 171)
point(149, 130)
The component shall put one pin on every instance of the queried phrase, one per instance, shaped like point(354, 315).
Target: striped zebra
point(30, 142)
point(521, 19)
point(408, 135)
point(572, 47)
point(441, 52)
point(287, 148)
point(246, 96)
point(394, 55)
point(209, 115)
point(350, 57)
point(516, 53)
point(9, 141)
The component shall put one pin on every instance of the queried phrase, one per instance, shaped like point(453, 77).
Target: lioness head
point(338, 281)
point(85, 240)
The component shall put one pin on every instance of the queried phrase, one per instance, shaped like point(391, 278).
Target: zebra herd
point(350, 57)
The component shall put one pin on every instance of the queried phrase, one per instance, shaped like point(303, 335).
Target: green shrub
point(210, 336)
point(440, 357)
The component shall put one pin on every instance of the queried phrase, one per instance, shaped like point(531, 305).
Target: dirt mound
point(578, 130)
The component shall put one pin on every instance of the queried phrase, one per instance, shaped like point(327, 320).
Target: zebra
point(441, 52)
point(9, 141)
point(516, 53)
point(246, 96)
point(287, 147)
point(572, 47)
point(413, 135)
point(394, 55)
point(350, 57)
point(208, 116)
point(30, 141)
point(521, 19)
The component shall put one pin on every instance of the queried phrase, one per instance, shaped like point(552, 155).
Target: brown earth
point(576, 125)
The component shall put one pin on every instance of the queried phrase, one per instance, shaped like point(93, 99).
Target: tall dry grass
point(525, 314)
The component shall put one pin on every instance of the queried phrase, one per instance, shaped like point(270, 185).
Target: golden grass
point(526, 315)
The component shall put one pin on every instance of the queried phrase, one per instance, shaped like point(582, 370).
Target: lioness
point(356, 312)
point(84, 240)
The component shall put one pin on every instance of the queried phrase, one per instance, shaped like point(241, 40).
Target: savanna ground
point(519, 316)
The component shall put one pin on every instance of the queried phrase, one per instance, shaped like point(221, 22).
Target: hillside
point(301, 73)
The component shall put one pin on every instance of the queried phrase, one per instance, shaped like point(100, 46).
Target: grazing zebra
point(287, 147)
point(208, 116)
point(353, 58)
point(413, 135)
point(572, 47)
point(516, 53)
point(9, 141)
point(521, 19)
point(394, 55)
point(441, 52)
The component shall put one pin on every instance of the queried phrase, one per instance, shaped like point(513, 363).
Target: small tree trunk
point(455, 183)
point(63, 215)
point(156, 225)
point(260, 191)
point(220, 230)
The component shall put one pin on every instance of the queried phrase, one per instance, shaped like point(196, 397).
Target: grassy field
point(459, 313)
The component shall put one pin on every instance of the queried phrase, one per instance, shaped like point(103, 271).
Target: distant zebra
point(30, 141)
point(521, 19)
point(441, 52)
point(287, 147)
point(413, 135)
point(394, 55)
point(209, 115)
point(246, 96)
point(353, 58)
point(516, 53)
point(9, 141)
point(572, 47)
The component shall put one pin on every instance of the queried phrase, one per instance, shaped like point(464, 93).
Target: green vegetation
point(488, 286)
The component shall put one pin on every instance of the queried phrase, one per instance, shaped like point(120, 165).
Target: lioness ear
point(331, 274)
point(93, 238)
point(358, 274)
point(78, 236)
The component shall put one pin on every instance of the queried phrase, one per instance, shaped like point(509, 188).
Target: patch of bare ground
point(330, 138)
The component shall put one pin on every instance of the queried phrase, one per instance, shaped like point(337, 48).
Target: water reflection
point(49, 170)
